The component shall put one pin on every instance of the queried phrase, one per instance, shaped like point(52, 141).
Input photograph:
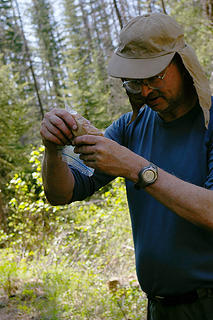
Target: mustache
point(137, 101)
point(140, 99)
point(152, 96)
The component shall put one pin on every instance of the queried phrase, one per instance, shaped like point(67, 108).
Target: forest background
point(76, 261)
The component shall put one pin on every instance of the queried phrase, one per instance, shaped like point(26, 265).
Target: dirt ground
point(9, 310)
point(8, 313)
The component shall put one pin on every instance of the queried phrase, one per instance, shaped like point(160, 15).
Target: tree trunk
point(118, 13)
point(208, 9)
point(30, 61)
point(163, 6)
point(3, 219)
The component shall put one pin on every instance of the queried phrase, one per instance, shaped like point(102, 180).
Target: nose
point(145, 90)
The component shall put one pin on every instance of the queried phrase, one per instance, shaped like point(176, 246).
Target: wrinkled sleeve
point(86, 186)
point(209, 180)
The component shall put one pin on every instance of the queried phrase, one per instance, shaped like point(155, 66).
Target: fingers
point(88, 158)
point(49, 135)
point(103, 154)
point(89, 147)
point(88, 144)
point(85, 149)
point(87, 140)
point(63, 119)
point(57, 127)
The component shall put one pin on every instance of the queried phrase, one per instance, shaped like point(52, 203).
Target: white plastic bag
point(72, 158)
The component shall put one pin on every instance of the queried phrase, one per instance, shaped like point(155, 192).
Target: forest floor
point(9, 310)
point(16, 308)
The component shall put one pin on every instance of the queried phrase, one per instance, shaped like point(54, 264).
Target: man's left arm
point(189, 201)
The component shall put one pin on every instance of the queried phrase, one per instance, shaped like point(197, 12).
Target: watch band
point(147, 176)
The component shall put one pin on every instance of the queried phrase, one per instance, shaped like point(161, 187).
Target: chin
point(155, 107)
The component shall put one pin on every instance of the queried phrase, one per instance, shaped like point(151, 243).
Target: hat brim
point(120, 67)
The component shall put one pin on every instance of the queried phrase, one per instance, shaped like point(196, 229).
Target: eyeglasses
point(134, 85)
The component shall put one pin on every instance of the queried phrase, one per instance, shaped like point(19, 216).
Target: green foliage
point(57, 291)
point(31, 219)
point(11, 38)
point(13, 122)
point(49, 44)
point(84, 295)
point(8, 272)
point(87, 85)
point(89, 93)
point(197, 29)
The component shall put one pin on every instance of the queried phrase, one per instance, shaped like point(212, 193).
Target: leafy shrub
point(8, 272)
point(32, 222)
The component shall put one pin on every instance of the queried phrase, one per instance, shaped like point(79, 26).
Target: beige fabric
point(201, 83)
point(147, 45)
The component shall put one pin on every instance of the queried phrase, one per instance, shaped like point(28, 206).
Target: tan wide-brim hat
point(147, 45)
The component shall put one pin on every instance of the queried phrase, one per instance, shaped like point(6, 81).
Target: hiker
point(164, 150)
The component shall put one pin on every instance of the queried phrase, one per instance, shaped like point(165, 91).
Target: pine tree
point(197, 29)
point(11, 42)
point(13, 129)
point(49, 51)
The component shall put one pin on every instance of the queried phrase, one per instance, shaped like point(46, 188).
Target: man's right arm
point(58, 180)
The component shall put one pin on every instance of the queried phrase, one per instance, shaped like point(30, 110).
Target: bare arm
point(58, 180)
point(189, 201)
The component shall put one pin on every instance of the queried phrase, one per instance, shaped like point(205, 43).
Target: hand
point(107, 156)
point(56, 128)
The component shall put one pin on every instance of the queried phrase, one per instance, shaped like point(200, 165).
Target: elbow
point(209, 222)
point(207, 214)
point(206, 221)
point(58, 201)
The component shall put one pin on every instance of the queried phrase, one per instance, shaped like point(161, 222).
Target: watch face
point(149, 175)
point(146, 176)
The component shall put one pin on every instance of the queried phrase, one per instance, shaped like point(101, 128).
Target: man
point(164, 150)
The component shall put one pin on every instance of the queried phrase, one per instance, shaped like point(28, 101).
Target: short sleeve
point(116, 131)
point(86, 186)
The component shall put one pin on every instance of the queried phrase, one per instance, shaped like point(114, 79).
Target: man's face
point(170, 99)
point(167, 93)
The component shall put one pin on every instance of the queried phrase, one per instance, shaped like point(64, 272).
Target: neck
point(180, 109)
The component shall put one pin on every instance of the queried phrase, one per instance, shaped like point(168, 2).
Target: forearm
point(189, 201)
point(57, 178)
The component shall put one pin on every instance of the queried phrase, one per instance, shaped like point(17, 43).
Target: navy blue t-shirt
point(173, 256)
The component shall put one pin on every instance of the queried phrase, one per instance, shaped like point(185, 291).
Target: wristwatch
point(147, 176)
